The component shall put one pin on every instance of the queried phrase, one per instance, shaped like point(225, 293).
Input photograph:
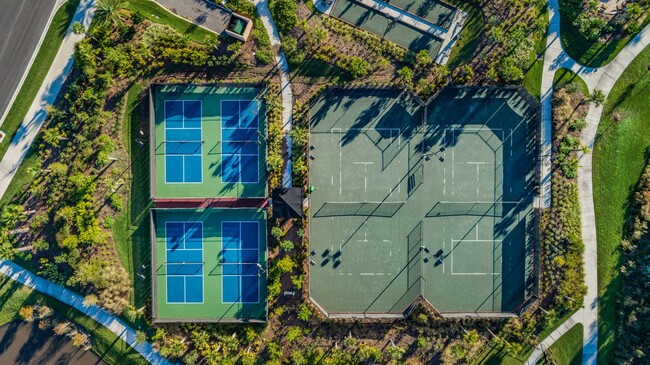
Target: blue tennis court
point(183, 141)
point(240, 262)
point(240, 141)
point(184, 261)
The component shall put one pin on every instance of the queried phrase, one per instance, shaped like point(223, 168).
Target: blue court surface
point(184, 260)
point(208, 141)
point(209, 265)
point(183, 141)
point(239, 259)
point(240, 141)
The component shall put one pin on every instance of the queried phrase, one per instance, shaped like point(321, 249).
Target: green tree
point(406, 74)
point(284, 14)
point(12, 215)
point(304, 313)
point(358, 67)
point(598, 97)
point(78, 28)
point(286, 245)
point(109, 12)
point(293, 333)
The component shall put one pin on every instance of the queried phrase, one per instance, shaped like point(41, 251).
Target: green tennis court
point(406, 207)
point(375, 22)
point(208, 141)
point(436, 12)
point(209, 265)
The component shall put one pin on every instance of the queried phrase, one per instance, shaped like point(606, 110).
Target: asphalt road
point(21, 24)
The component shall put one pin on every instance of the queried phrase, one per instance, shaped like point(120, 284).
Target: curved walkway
point(114, 324)
point(47, 94)
point(285, 86)
point(602, 78)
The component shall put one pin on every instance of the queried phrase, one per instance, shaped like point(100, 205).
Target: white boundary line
point(183, 128)
point(241, 288)
point(167, 276)
point(239, 155)
point(470, 273)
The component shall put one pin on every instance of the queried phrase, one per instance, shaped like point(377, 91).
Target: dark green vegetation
point(593, 38)
point(564, 77)
point(632, 299)
point(157, 14)
point(105, 344)
point(469, 37)
point(567, 350)
point(131, 227)
point(533, 75)
point(37, 72)
point(620, 154)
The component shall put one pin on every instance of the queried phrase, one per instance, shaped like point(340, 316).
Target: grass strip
point(106, 344)
point(44, 58)
point(157, 14)
point(619, 157)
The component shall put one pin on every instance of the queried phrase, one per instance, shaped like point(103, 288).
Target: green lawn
point(567, 350)
point(131, 228)
point(105, 344)
point(157, 14)
point(496, 355)
point(619, 156)
point(533, 76)
point(37, 72)
point(592, 54)
point(317, 69)
point(565, 76)
point(470, 35)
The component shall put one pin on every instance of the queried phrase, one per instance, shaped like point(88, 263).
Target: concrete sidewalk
point(114, 324)
point(285, 86)
point(602, 78)
point(47, 94)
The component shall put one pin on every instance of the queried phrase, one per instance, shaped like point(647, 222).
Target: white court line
point(477, 273)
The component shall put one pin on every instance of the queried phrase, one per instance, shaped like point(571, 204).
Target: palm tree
point(109, 12)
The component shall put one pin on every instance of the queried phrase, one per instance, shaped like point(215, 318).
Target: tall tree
point(109, 12)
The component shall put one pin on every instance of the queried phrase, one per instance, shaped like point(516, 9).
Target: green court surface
point(209, 265)
point(389, 29)
point(435, 12)
point(208, 141)
point(405, 207)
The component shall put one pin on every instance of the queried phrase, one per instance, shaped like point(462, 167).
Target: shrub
point(590, 26)
point(285, 264)
point(26, 313)
point(284, 14)
point(578, 124)
point(264, 55)
point(406, 74)
point(277, 232)
point(286, 245)
point(304, 313)
point(294, 333)
point(358, 67)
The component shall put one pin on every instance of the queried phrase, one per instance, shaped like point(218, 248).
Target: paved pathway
point(287, 95)
point(538, 352)
point(114, 324)
point(602, 78)
point(47, 94)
